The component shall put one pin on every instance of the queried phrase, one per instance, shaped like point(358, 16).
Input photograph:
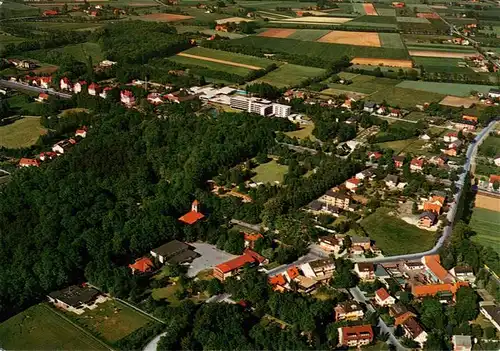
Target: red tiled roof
point(29, 162)
point(433, 289)
point(66, 80)
point(94, 86)
point(382, 294)
point(46, 79)
point(353, 181)
point(252, 236)
point(375, 154)
point(277, 280)
point(293, 272)
point(43, 96)
point(433, 263)
point(494, 178)
point(358, 332)
point(254, 255)
point(82, 82)
point(402, 318)
point(248, 256)
point(417, 162)
point(143, 264)
point(127, 93)
point(191, 217)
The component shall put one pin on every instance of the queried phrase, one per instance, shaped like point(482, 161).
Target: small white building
point(383, 298)
point(282, 111)
point(65, 84)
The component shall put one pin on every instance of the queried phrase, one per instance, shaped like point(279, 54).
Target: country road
point(20, 86)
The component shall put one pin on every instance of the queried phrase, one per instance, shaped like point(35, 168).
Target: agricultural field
point(442, 64)
point(164, 17)
point(406, 98)
point(14, 9)
point(111, 321)
point(64, 25)
point(42, 328)
point(290, 75)
point(9, 39)
point(270, 172)
point(323, 20)
point(364, 84)
point(351, 38)
point(490, 147)
point(308, 34)
point(394, 236)
point(486, 224)
point(80, 52)
point(398, 145)
point(391, 40)
point(455, 89)
point(230, 57)
point(21, 133)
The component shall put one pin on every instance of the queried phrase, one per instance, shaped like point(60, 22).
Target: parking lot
point(210, 257)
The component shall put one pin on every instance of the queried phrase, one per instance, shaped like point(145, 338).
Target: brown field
point(277, 33)
point(229, 63)
point(456, 101)
point(351, 38)
point(48, 69)
point(382, 62)
point(370, 10)
point(423, 53)
point(488, 201)
point(165, 17)
point(233, 20)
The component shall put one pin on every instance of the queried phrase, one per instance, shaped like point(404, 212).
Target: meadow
point(270, 172)
point(442, 64)
point(216, 66)
point(42, 328)
point(490, 147)
point(21, 133)
point(290, 75)
point(64, 25)
point(486, 224)
point(394, 236)
point(230, 57)
point(391, 40)
point(456, 89)
point(407, 98)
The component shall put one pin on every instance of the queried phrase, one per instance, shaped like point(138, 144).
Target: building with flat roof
point(492, 312)
point(76, 298)
point(282, 111)
point(174, 252)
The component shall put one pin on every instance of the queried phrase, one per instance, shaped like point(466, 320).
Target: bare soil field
point(382, 61)
point(447, 54)
point(488, 201)
point(455, 101)
point(351, 38)
point(428, 15)
point(229, 63)
point(233, 20)
point(165, 17)
point(277, 33)
point(370, 10)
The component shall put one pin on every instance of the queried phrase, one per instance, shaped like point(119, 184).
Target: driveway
point(153, 344)
point(315, 253)
point(210, 257)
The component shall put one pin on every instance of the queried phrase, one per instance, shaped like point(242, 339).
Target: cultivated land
point(396, 96)
point(486, 224)
point(64, 25)
point(270, 172)
point(394, 236)
point(308, 34)
point(41, 328)
point(455, 89)
point(164, 17)
point(442, 64)
point(290, 75)
point(351, 38)
point(320, 20)
point(491, 145)
point(391, 40)
point(230, 57)
point(447, 54)
point(203, 58)
point(111, 320)
point(382, 61)
point(21, 133)
point(370, 10)
point(456, 101)
point(277, 33)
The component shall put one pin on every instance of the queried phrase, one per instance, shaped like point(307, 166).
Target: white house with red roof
point(352, 184)
point(42, 97)
point(451, 137)
point(82, 132)
point(47, 155)
point(127, 97)
point(374, 155)
point(29, 162)
point(94, 89)
point(65, 84)
point(155, 98)
point(45, 82)
point(355, 336)
point(104, 93)
point(79, 86)
point(417, 164)
point(493, 179)
point(383, 298)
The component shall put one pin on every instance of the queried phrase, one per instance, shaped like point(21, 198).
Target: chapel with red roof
point(194, 215)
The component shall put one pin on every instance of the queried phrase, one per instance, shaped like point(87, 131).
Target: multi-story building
point(355, 336)
point(414, 330)
point(319, 269)
point(282, 111)
point(349, 310)
point(337, 199)
point(259, 106)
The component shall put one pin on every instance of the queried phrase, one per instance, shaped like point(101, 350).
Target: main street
point(25, 87)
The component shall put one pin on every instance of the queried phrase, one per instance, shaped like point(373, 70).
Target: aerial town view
point(249, 175)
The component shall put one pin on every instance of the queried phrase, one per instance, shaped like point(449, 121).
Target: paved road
point(315, 253)
point(471, 155)
point(19, 86)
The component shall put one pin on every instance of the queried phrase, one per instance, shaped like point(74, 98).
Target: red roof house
point(251, 238)
point(292, 273)
point(383, 298)
point(141, 265)
point(43, 97)
point(352, 183)
point(82, 132)
point(94, 89)
point(50, 13)
point(48, 155)
point(278, 282)
point(374, 155)
point(29, 162)
point(434, 289)
point(356, 336)
point(231, 267)
point(194, 215)
point(417, 164)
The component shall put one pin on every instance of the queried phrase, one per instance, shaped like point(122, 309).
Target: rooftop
point(75, 295)
point(171, 248)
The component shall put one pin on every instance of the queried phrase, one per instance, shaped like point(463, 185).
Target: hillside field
point(445, 88)
point(21, 133)
point(486, 224)
point(290, 75)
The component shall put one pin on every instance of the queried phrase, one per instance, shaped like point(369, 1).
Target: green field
point(445, 88)
point(64, 25)
point(82, 51)
point(42, 328)
point(486, 224)
point(241, 71)
point(303, 132)
point(270, 172)
point(326, 51)
point(490, 147)
point(290, 75)
point(309, 34)
point(412, 20)
point(14, 9)
point(21, 133)
point(394, 236)
point(9, 39)
point(230, 56)
point(111, 320)
point(442, 64)
point(441, 47)
point(391, 40)
point(407, 98)
point(397, 145)
point(273, 4)
point(385, 11)
point(364, 84)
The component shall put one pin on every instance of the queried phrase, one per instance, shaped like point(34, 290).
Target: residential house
point(29, 162)
point(450, 137)
point(450, 152)
point(434, 271)
point(141, 265)
point(174, 252)
point(319, 269)
point(369, 106)
point(413, 265)
point(414, 330)
point(365, 271)
point(496, 160)
point(382, 110)
point(78, 87)
point(417, 164)
point(464, 274)
point(455, 144)
point(357, 250)
point(398, 161)
point(48, 13)
point(366, 174)
point(330, 243)
point(82, 132)
point(352, 184)
point(398, 4)
point(76, 298)
point(465, 125)
point(383, 298)
point(374, 156)
point(47, 155)
point(45, 82)
point(427, 219)
point(469, 118)
point(425, 137)
point(355, 336)
point(231, 268)
point(492, 180)
point(94, 89)
point(105, 91)
point(155, 98)
point(222, 27)
point(491, 312)
point(395, 113)
point(461, 342)
point(391, 181)
point(180, 96)
point(64, 145)
point(306, 285)
point(278, 282)
point(362, 241)
point(318, 207)
point(494, 93)
point(435, 204)
point(444, 291)
point(42, 97)
point(251, 238)
point(291, 273)
point(336, 198)
point(349, 310)
point(65, 84)
point(127, 98)
point(194, 215)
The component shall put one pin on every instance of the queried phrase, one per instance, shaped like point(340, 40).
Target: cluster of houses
point(432, 208)
point(58, 149)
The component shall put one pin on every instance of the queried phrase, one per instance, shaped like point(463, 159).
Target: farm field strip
point(454, 89)
point(370, 10)
point(391, 40)
point(486, 223)
point(309, 34)
point(22, 133)
point(445, 54)
point(290, 75)
point(252, 62)
point(229, 63)
point(164, 17)
point(412, 20)
point(351, 38)
point(382, 61)
point(322, 20)
point(277, 33)
point(433, 46)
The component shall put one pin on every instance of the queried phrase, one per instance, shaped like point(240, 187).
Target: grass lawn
point(394, 236)
point(216, 66)
point(365, 84)
point(397, 145)
point(82, 51)
point(111, 320)
point(486, 223)
point(399, 96)
point(21, 133)
point(230, 56)
point(270, 172)
point(41, 328)
point(168, 293)
point(455, 89)
point(290, 75)
point(303, 132)
point(491, 145)
point(441, 64)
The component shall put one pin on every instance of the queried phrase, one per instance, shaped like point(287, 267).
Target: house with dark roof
point(319, 269)
point(349, 310)
point(414, 330)
point(174, 252)
point(194, 215)
point(391, 181)
point(365, 271)
point(427, 219)
point(491, 311)
point(355, 336)
point(76, 298)
point(398, 161)
point(330, 243)
point(464, 274)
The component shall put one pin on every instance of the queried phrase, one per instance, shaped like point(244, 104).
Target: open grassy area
point(365, 84)
point(230, 56)
point(21, 133)
point(82, 51)
point(391, 40)
point(441, 64)
point(309, 34)
point(270, 172)
point(290, 75)
point(111, 320)
point(64, 25)
point(486, 223)
point(169, 292)
point(41, 328)
point(397, 145)
point(455, 89)
point(394, 236)
point(490, 146)
point(303, 132)
point(397, 96)
point(216, 66)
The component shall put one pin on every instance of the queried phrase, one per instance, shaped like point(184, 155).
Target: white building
point(261, 107)
point(494, 93)
point(282, 111)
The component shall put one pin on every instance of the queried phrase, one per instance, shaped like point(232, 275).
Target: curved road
point(20, 86)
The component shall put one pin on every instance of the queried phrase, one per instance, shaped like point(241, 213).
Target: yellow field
point(21, 133)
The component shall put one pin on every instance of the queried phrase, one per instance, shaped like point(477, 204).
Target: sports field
point(41, 328)
point(486, 224)
point(455, 89)
point(270, 172)
point(21, 133)
point(290, 75)
point(394, 236)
